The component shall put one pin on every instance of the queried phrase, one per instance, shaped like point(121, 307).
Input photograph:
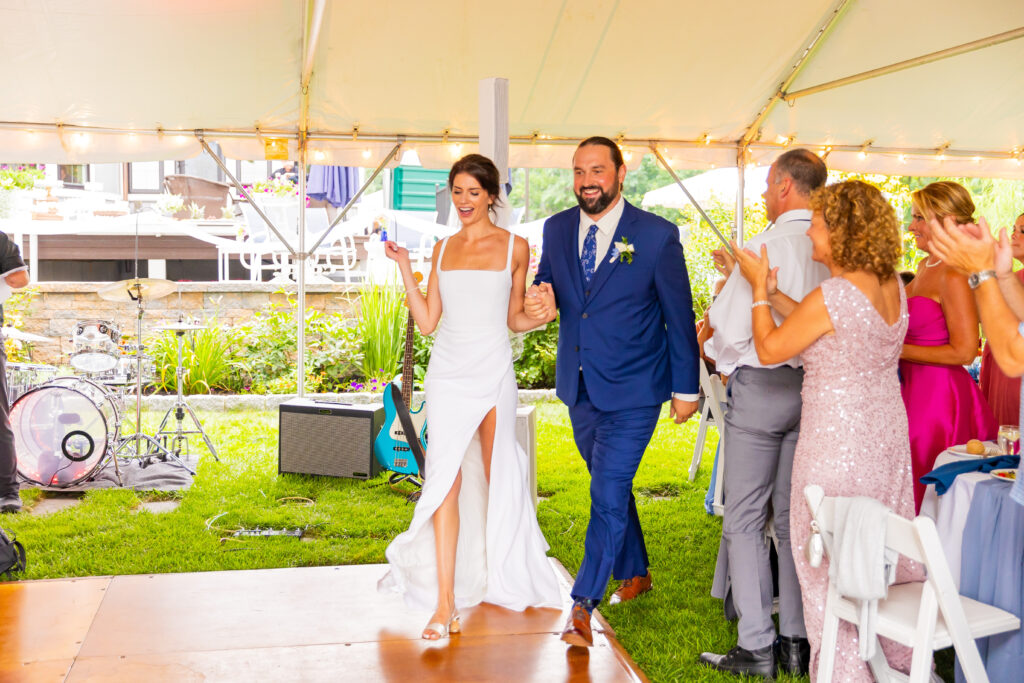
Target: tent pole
point(834, 13)
point(494, 138)
point(741, 179)
point(665, 164)
point(357, 195)
point(908, 63)
point(300, 274)
point(245, 193)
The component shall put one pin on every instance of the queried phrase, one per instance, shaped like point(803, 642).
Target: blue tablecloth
point(992, 571)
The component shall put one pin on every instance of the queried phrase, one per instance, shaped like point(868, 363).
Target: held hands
point(396, 253)
point(681, 411)
point(539, 303)
point(970, 248)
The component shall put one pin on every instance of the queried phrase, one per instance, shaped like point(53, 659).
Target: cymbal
point(129, 290)
point(15, 333)
point(180, 327)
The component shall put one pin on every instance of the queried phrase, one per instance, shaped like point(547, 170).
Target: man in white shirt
point(761, 428)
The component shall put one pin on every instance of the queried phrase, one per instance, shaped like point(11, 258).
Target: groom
point(626, 344)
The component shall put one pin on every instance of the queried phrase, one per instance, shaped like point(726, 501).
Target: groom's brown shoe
point(577, 629)
point(631, 588)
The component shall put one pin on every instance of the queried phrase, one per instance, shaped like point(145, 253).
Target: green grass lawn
point(351, 522)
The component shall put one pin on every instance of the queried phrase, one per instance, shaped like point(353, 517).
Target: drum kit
point(68, 428)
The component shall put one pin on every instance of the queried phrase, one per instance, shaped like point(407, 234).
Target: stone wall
point(58, 305)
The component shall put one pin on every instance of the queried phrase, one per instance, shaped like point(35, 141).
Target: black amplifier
point(329, 438)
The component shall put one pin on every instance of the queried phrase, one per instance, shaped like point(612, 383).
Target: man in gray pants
point(761, 428)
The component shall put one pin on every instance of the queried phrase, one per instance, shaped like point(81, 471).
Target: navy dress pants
point(612, 444)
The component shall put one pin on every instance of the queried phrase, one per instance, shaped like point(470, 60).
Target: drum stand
point(178, 437)
point(139, 445)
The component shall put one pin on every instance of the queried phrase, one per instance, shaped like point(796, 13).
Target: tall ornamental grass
point(382, 318)
point(212, 357)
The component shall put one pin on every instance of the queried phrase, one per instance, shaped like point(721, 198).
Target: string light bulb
point(367, 153)
point(863, 153)
point(902, 158)
point(319, 155)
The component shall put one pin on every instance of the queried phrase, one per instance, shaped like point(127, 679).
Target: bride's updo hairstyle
point(483, 170)
point(863, 231)
point(945, 198)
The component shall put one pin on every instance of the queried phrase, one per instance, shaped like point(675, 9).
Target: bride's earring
point(815, 546)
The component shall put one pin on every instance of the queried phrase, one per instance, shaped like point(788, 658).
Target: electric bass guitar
point(392, 446)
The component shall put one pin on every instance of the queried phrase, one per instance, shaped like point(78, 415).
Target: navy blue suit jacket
point(631, 330)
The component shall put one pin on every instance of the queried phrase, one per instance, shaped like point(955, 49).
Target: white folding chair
point(925, 616)
point(713, 414)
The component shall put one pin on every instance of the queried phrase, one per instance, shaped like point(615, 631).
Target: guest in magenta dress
point(944, 405)
point(1003, 392)
point(853, 429)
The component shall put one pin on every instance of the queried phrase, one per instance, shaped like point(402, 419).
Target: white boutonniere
point(623, 251)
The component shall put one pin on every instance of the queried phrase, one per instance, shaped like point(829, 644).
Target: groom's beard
point(598, 203)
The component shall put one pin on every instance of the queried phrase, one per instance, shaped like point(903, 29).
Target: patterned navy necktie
point(589, 256)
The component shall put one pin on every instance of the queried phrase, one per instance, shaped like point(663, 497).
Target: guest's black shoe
point(10, 503)
point(760, 662)
point(793, 655)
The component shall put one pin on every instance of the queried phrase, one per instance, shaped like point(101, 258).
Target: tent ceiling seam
point(908, 63)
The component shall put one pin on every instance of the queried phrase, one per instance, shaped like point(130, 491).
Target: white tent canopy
point(718, 184)
point(119, 80)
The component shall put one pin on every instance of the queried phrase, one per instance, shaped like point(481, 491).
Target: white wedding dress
point(501, 553)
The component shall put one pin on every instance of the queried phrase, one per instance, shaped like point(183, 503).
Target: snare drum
point(124, 373)
point(95, 345)
point(23, 376)
point(62, 430)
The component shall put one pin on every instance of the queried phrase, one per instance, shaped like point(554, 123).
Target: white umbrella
point(718, 184)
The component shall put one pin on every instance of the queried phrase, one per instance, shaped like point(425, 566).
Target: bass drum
point(62, 430)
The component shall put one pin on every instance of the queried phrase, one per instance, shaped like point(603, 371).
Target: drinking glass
point(1009, 439)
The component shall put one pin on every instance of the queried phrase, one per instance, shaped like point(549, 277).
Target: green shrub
point(333, 350)
point(535, 368)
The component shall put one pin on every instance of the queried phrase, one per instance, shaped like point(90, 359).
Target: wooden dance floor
point(302, 624)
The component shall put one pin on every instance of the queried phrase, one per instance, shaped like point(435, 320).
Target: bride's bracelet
point(761, 302)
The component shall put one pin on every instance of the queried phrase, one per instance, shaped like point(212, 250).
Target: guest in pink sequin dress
point(944, 405)
point(853, 431)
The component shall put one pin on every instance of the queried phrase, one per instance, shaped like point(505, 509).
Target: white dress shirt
point(605, 233)
point(789, 248)
point(605, 229)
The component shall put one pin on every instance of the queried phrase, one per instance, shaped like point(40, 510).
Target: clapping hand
point(724, 261)
point(970, 247)
point(757, 270)
point(540, 303)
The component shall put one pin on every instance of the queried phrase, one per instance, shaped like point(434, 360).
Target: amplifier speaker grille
point(337, 441)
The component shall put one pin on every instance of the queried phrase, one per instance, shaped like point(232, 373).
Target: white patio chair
point(338, 250)
point(262, 242)
point(925, 616)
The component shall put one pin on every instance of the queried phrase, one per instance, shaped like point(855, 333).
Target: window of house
point(147, 177)
point(73, 175)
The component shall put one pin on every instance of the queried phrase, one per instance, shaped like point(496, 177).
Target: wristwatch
point(975, 279)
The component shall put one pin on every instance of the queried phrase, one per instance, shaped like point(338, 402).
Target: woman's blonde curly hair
point(862, 227)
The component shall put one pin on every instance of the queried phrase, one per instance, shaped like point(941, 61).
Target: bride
point(471, 541)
